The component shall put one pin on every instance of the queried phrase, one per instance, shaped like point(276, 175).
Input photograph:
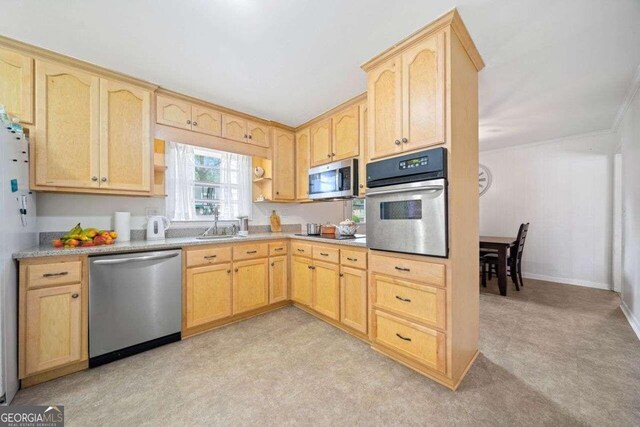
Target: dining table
point(501, 245)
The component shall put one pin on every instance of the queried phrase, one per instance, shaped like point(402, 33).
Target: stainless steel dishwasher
point(135, 303)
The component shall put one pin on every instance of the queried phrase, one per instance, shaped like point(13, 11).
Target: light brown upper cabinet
point(91, 133)
point(67, 133)
point(206, 120)
point(321, 143)
point(406, 99)
point(362, 165)
point(258, 134)
point(283, 165)
point(302, 164)
point(345, 140)
point(234, 128)
point(16, 84)
point(184, 115)
point(125, 139)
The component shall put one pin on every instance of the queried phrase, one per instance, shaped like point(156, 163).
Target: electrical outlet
point(151, 211)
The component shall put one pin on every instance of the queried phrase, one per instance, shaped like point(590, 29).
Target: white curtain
point(180, 179)
point(236, 170)
point(245, 178)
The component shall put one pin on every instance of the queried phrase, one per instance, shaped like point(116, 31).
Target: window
point(199, 180)
point(358, 211)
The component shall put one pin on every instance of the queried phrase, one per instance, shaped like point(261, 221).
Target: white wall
point(563, 188)
point(628, 134)
point(58, 212)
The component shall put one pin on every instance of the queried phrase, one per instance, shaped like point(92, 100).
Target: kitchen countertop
point(173, 243)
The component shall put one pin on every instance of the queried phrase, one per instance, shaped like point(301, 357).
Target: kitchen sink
point(218, 237)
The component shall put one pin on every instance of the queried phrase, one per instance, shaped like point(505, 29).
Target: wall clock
point(484, 179)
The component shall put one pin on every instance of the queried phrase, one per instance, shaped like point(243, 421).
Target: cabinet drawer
point(56, 273)
point(420, 302)
point(277, 248)
point(256, 250)
point(324, 253)
point(420, 271)
point(351, 258)
point(301, 249)
point(206, 256)
point(426, 346)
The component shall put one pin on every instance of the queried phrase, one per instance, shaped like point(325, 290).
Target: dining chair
point(514, 261)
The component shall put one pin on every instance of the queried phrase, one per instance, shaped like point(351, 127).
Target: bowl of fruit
point(85, 237)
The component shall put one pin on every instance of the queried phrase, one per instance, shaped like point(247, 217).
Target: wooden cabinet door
point(362, 164)
point(16, 84)
point(234, 128)
point(125, 139)
point(206, 120)
point(67, 130)
point(346, 141)
point(53, 333)
point(385, 109)
point(301, 281)
point(353, 298)
point(320, 142)
point(278, 279)
point(173, 112)
point(302, 164)
point(250, 285)
point(326, 295)
point(258, 134)
point(283, 165)
point(207, 294)
point(423, 82)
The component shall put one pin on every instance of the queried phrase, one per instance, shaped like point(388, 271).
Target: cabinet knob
point(245, 135)
point(229, 271)
point(236, 270)
point(333, 154)
point(397, 142)
point(273, 264)
point(341, 274)
point(329, 155)
point(361, 186)
point(104, 179)
point(75, 296)
point(188, 122)
point(277, 192)
point(250, 136)
point(94, 178)
point(405, 140)
point(195, 123)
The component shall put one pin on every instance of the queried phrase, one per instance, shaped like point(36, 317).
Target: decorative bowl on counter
point(347, 228)
point(258, 172)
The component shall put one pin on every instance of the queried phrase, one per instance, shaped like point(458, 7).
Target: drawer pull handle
point(300, 250)
point(62, 273)
point(402, 269)
point(279, 249)
point(75, 296)
point(210, 256)
point(352, 259)
point(251, 252)
point(403, 299)
point(323, 254)
point(403, 338)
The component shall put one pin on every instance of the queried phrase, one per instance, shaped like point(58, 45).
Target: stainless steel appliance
point(135, 303)
point(406, 203)
point(334, 180)
point(314, 229)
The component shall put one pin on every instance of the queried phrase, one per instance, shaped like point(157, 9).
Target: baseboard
point(568, 281)
point(633, 321)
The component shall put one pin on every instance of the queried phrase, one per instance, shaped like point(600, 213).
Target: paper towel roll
point(122, 226)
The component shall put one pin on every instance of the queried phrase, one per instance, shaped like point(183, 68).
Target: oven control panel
point(414, 163)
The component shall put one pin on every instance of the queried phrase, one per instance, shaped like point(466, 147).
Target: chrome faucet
point(214, 227)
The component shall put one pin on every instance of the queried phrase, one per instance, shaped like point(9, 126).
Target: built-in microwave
point(407, 204)
point(334, 180)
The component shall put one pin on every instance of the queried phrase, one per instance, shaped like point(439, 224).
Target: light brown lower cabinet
point(326, 289)
point(207, 294)
point(353, 298)
point(301, 281)
point(250, 284)
point(278, 278)
point(53, 327)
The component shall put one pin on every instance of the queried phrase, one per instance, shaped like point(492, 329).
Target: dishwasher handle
point(135, 259)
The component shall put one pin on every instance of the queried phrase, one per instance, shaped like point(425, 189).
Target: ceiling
point(553, 68)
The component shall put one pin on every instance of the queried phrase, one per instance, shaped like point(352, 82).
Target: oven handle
point(423, 189)
point(135, 259)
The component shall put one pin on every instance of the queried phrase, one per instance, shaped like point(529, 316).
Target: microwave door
point(408, 218)
point(323, 183)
